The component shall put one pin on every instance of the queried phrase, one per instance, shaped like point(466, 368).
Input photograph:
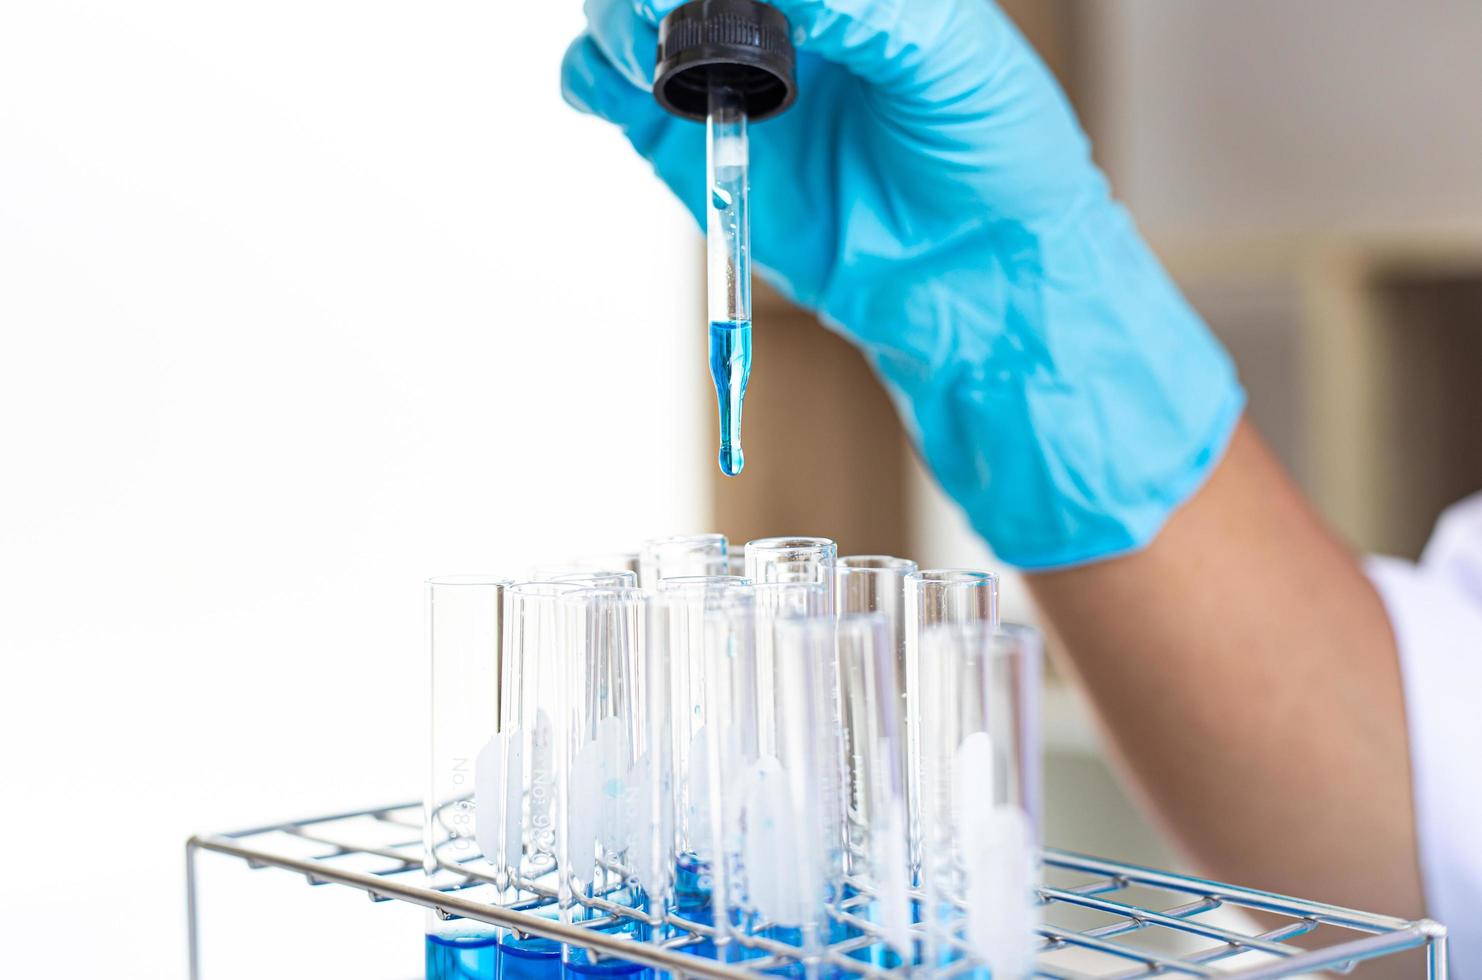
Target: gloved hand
point(931, 195)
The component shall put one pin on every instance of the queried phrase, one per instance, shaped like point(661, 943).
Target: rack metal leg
point(1435, 958)
point(191, 913)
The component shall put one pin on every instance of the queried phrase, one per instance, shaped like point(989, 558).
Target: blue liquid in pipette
point(730, 367)
point(462, 958)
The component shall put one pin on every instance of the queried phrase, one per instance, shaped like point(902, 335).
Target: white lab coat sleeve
point(1435, 608)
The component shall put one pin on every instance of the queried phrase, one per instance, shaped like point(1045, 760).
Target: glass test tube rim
point(621, 579)
point(705, 553)
point(791, 542)
point(617, 561)
point(781, 559)
point(875, 574)
point(707, 537)
point(542, 588)
point(682, 583)
point(877, 563)
point(612, 591)
point(954, 576)
point(439, 581)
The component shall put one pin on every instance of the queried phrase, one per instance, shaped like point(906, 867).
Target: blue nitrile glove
point(931, 195)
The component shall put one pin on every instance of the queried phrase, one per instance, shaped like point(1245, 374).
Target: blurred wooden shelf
point(1360, 354)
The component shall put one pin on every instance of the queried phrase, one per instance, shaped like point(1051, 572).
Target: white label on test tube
point(998, 862)
point(542, 793)
point(599, 800)
point(611, 788)
point(891, 873)
point(497, 794)
point(972, 803)
point(1009, 898)
point(777, 880)
point(581, 818)
point(638, 808)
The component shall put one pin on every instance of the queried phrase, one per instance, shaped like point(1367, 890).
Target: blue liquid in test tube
point(579, 963)
point(692, 887)
point(462, 957)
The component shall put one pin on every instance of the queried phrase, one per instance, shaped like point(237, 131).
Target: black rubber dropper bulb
point(745, 45)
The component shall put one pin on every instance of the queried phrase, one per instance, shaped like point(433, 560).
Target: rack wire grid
point(1100, 919)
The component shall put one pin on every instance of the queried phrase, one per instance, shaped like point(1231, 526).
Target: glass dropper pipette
point(728, 245)
point(727, 63)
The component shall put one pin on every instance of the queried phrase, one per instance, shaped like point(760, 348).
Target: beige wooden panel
point(1427, 441)
point(1053, 27)
point(825, 453)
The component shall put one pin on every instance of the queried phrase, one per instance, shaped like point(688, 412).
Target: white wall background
point(300, 302)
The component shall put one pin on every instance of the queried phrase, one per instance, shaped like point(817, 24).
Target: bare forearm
point(1247, 675)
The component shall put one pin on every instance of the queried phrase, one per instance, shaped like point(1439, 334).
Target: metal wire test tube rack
point(1100, 918)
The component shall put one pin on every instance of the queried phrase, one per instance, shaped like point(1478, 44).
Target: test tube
point(618, 561)
point(654, 859)
point(730, 699)
point(464, 616)
point(980, 781)
point(936, 597)
point(877, 856)
point(519, 773)
point(685, 555)
point(773, 561)
point(678, 649)
point(781, 603)
point(606, 838)
point(728, 238)
point(776, 601)
point(702, 583)
point(950, 595)
point(796, 576)
point(791, 851)
point(877, 584)
point(599, 580)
